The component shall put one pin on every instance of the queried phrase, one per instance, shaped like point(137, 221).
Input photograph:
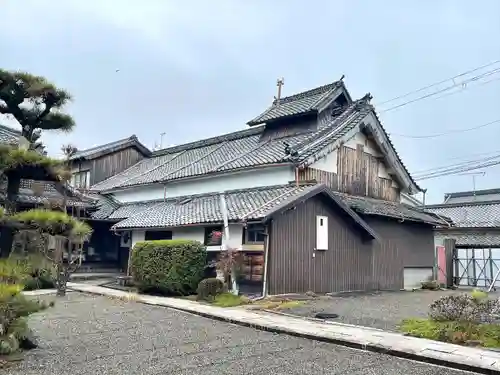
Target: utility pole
point(161, 139)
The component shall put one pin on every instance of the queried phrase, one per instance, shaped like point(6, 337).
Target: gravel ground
point(88, 335)
point(383, 310)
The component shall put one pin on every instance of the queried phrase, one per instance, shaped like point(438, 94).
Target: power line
point(454, 171)
point(465, 158)
point(462, 84)
point(456, 166)
point(445, 133)
point(439, 83)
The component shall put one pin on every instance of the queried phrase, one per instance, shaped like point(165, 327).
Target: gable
point(368, 135)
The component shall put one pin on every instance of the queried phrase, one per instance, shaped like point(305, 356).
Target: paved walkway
point(350, 335)
point(88, 334)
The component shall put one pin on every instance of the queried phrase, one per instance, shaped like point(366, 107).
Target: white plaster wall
point(230, 181)
point(198, 234)
point(137, 236)
point(327, 163)
point(409, 201)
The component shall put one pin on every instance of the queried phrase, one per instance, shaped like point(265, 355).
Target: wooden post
point(450, 251)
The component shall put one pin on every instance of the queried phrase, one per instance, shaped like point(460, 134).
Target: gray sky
point(195, 69)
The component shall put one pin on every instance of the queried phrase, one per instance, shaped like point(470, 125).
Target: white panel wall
point(231, 181)
point(198, 234)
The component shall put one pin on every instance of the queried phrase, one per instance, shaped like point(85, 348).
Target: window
point(154, 235)
point(321, 233)
point(255, 233)
point(213, 236)
point(81, 180)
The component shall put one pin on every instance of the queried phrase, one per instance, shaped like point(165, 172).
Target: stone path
point(350, 335)
point(87, 334)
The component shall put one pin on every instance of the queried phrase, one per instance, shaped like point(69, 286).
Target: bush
point(170, 267)
point(464, 308)
point(430, 285)
point(209, 288)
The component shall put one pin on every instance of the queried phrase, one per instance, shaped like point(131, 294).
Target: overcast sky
point(195, 69)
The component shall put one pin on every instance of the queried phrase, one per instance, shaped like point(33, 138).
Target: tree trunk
point(7, 233)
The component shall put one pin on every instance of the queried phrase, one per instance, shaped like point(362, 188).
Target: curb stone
point(432, 353)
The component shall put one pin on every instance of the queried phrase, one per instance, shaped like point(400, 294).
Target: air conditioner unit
point(125, 239)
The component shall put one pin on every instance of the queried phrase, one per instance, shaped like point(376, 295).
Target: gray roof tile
point(470, 215)
point(241, 204)
point(248, 204)
point(232, 151)
point(301, 103)
point(371, 206)
point(96, 151)
point(9, 135)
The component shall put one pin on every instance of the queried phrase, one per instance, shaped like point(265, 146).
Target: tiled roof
point(233, 151)
point(472, 196)
point(471, 238)
point(104, 206)
point(470, 215)
point(252, 204)
point(301, 103)
point(371, 206)
point(9, 135)
point(50, 194)
point(241, 204)
point(96, 151)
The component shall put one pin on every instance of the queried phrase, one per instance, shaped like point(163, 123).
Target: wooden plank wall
point(109, 165)
point(357, 174)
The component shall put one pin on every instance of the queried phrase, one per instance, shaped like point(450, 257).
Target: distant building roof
point(479, 214)
point(95, 152)
point(472, 196)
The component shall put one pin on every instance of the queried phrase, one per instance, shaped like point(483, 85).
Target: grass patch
point(486, 335)
point(273, 304)
point(230, 300)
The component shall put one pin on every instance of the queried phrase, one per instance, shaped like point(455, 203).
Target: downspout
point(266, 259)
point(424, 193)
point(223, 206)
point(296, 176)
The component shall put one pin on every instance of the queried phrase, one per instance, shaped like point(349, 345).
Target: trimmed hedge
point(168, 267)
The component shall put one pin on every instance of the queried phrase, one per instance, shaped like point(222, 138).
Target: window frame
point(253, 228)
point(81, 179)
point(208, 231)
point(157, 231)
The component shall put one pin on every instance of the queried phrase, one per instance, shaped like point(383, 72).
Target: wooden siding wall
point(350, 263)
point(357, 174)
point(109, 165)
point(347, 265)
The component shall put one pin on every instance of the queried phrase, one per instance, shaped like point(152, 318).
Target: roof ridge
point(209, 141)
point(303, 94)
point(462, 204)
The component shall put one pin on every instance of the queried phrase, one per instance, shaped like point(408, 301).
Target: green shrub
point(464, 308)
point(209, 288)
point(14, 332)
point(169, 267)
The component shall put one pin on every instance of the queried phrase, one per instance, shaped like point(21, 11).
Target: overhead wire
point(439, 82)
point(462, 84)
point(446, 133)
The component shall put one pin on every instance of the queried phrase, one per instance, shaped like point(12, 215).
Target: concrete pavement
point(89, 334)
point(474, 359)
